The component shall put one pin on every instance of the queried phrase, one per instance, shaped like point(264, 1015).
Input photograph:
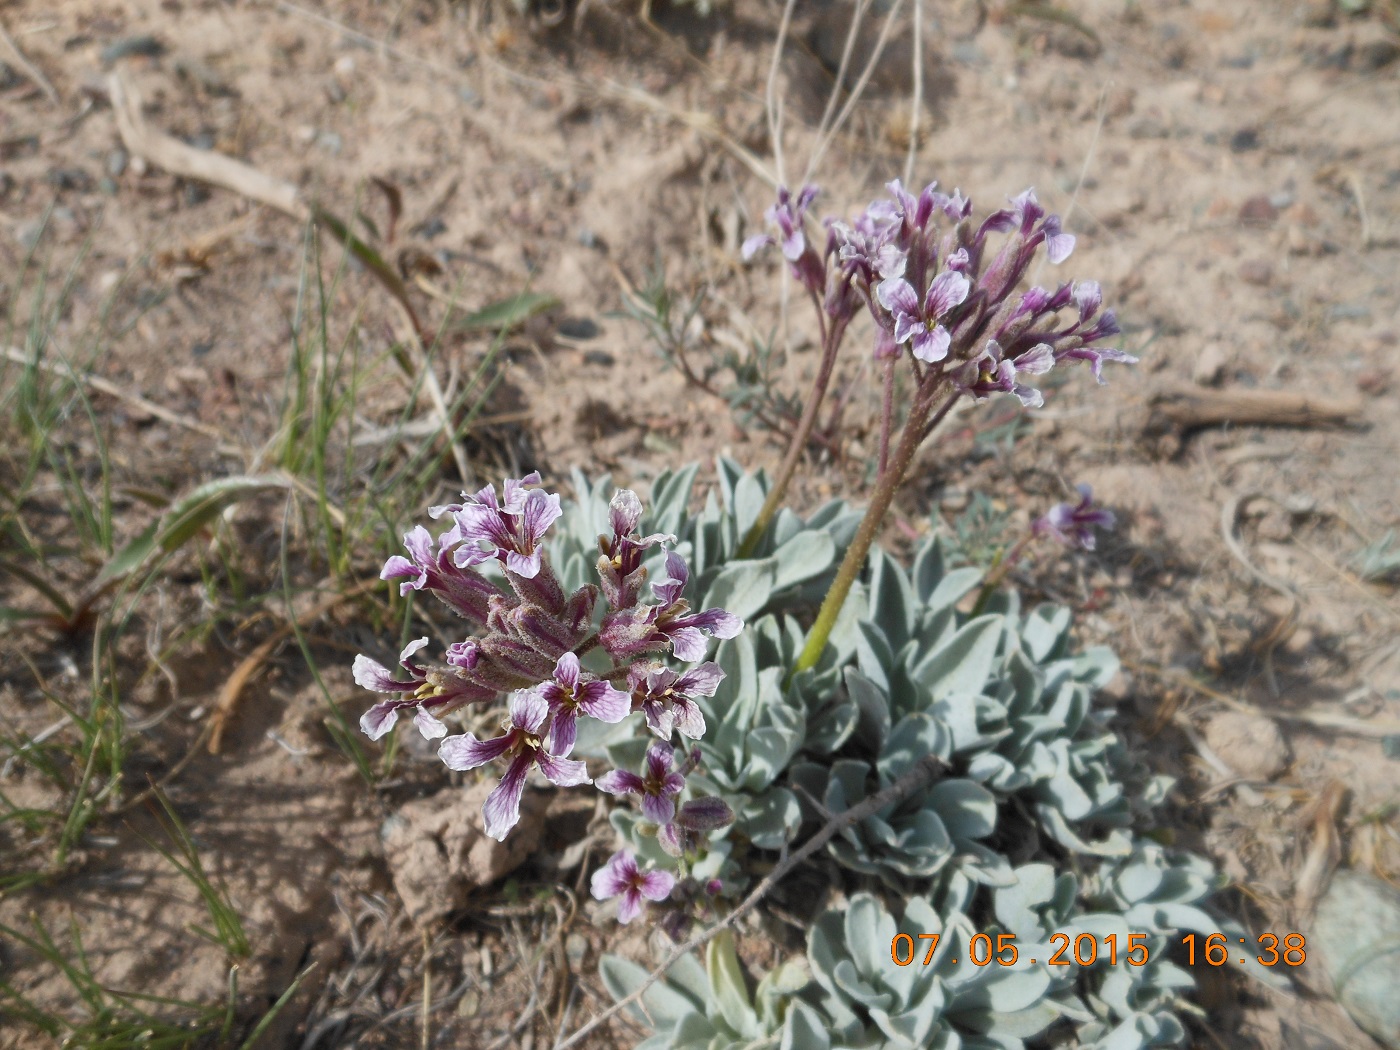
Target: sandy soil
point(1232, 171)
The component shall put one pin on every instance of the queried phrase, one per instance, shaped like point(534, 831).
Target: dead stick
point(922, 772)
point(1190, 409)
point(233, 687)
point(103, 386)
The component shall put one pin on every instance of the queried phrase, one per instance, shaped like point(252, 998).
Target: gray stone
point(1356, 936)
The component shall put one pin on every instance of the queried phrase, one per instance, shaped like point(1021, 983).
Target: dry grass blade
point(232, 690)
point(29, 69)
point(1323, 856)
point(103, 386)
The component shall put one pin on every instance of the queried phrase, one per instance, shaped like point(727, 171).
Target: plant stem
point(831, 342)
point(886, 417)
point(916, 427)
point(1005, 561)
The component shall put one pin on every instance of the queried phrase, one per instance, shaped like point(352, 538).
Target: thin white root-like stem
point(29, 69)
point(825, 143)
point(916, 104)
point(918, 775)
point(772, 105)
point(857, 16)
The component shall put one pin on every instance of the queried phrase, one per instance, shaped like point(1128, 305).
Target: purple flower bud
point(465, 591)
point(620, 567)
point(647, 629)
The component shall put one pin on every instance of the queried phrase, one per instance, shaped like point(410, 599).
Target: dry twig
point(233, 688)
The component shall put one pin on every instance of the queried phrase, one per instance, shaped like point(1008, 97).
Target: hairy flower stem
point(886, 417)
point(831, 342)
point(916, 428)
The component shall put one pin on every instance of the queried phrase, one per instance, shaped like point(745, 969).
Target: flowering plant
point(940, 287)
point(942, 292)
point(532, 640)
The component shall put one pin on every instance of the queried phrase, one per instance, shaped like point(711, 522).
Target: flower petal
point(380, 718)
point(467, 752)
point(687, 643)
point(373, 675)
point(563, 772)
point(563, 731)
point(620, 782)
point(615, 876)
point(658, 808)
point(630, 907)
point(898, 297)
point(528, 710)
point(601, 701)
point(429, 725)
point(502, 808)
point(932, 345)
point(948, 290)
point(566, 671)
point(700, 681)
point(656, 885)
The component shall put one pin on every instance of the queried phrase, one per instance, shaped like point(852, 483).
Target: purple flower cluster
point(946, 288)
point(527, 644)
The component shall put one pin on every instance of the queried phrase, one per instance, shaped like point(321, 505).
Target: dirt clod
point(1250, 744)
point(438, 851)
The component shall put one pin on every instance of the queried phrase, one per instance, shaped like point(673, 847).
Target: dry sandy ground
point(1232, 171)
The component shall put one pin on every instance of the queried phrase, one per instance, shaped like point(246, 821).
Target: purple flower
point(463, 590)
point(509, 530)
point(1074, 525)
point(620, 567)
point(658, 785)
point(668, 699)
point(917, 212)
point(920, 322)
point(992, 372)
point(631, 632)
point(786, 214)
point(523, 743)
point(621, 876)
point(867, 248)
point(567, 695)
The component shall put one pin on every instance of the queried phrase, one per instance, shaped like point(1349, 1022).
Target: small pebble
point(1258, 211)
point(145, 46)
point(1256, 271)
point(1244, 140)
point(599, 357)
point(116, 163)
point(1210, 364)
point(1373, 381)
point(578, 328)
point(345, 66)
